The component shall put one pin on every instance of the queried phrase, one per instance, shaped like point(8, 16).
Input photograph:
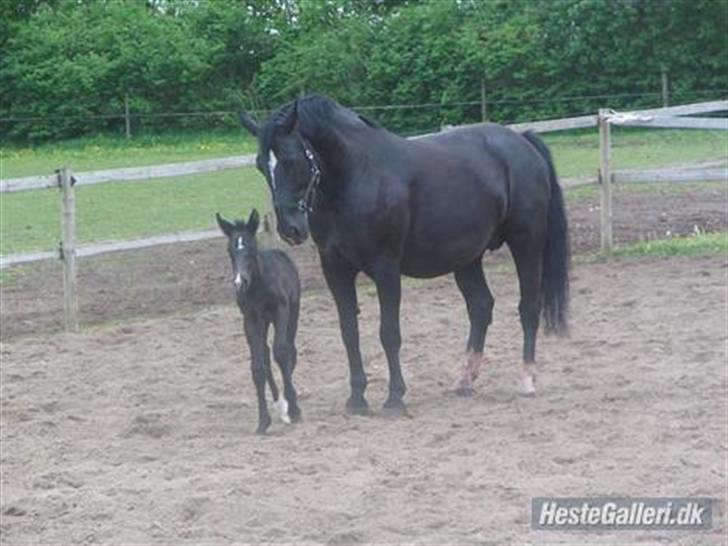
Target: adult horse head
point(291, 169)
point(387, 206)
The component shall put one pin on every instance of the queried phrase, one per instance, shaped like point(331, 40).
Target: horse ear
point(253, 221)
point(289, 122)
point(249, 123)
point(226, 227)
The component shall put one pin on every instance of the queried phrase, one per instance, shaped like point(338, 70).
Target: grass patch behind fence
point(110, 152)
point(104, 212)
point(703, 243)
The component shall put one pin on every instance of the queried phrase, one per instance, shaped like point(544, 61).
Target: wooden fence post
point(605, 179)
point(270, 231)
point(68, 248)
point(665, 89)
point(483, 105)
point(127, 121)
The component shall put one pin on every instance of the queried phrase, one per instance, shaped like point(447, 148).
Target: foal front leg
point(389, 291)
point(255, 334)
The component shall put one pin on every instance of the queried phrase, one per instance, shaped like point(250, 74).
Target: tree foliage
point(67, 60)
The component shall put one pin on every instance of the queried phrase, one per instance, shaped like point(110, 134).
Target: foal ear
point(226, 227)
point(289, 121)
point(253, 222)
point(249, 123)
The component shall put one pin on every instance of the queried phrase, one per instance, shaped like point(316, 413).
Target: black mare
point(268, 291)
point(387, 206)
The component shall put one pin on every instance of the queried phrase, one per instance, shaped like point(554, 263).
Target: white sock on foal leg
point(528, 380)
point(281, 408)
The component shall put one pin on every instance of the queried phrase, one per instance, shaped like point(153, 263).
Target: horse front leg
point(340, 278)
point(389, 291)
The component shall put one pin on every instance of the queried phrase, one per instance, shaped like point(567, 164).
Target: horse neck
point(337, 153)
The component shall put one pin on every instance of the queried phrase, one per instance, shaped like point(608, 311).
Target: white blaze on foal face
point(239, 245)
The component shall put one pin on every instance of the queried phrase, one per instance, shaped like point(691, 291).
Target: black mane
point(315, 114)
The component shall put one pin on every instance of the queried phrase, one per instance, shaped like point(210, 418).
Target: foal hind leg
point(479, 301)
point(269, 373)
point(255, 335)
point(284, 352)
point(528, 255)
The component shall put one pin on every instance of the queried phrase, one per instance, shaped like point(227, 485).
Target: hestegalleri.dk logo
point(621, 513)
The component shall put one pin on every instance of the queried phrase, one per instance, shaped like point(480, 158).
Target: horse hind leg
point(528, 256)
point(479, 302)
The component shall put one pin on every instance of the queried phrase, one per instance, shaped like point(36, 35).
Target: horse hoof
point(394, 408)
point(464, 392)
point(261, 431)
point(357, 406)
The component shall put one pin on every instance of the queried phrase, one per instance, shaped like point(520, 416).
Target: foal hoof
point(464, 392)
point(527, 384)
point(264, 422)
point(280, 407)
point(357, 406)
point(295, 414)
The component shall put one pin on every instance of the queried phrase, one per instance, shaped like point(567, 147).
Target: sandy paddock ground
point(141, 431)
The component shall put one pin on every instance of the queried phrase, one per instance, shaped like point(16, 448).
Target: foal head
point(243, 250)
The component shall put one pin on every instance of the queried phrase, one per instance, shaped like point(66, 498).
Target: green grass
point(703, 243)
point(108, 152)
point(29, 220)
point(577, 153)
point(592, 191)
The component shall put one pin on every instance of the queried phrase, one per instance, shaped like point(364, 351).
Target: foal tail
point(557, 255)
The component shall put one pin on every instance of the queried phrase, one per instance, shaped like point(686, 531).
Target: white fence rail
point(67, 181)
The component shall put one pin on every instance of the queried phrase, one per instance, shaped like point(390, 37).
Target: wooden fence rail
point(658, 117)
point(67, 181)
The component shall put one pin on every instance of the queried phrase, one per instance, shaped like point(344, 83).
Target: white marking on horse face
point(281, 406)
point(240, 244)
point(238, 280)
point(272, 162)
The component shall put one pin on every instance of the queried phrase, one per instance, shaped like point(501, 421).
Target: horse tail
point(557, 254)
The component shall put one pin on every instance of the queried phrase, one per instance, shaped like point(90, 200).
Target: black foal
point(268, 292)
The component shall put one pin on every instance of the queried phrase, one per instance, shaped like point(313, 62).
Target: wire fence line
point(365, 108)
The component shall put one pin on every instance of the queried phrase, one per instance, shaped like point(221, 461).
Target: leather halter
point(307, 202)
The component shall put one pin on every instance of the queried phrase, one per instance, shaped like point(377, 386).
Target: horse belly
point(456, 244)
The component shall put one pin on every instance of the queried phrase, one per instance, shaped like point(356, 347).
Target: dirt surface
point(141, 432)
point(184, 277)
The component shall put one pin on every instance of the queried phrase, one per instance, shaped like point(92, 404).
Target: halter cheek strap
point(307, 203)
